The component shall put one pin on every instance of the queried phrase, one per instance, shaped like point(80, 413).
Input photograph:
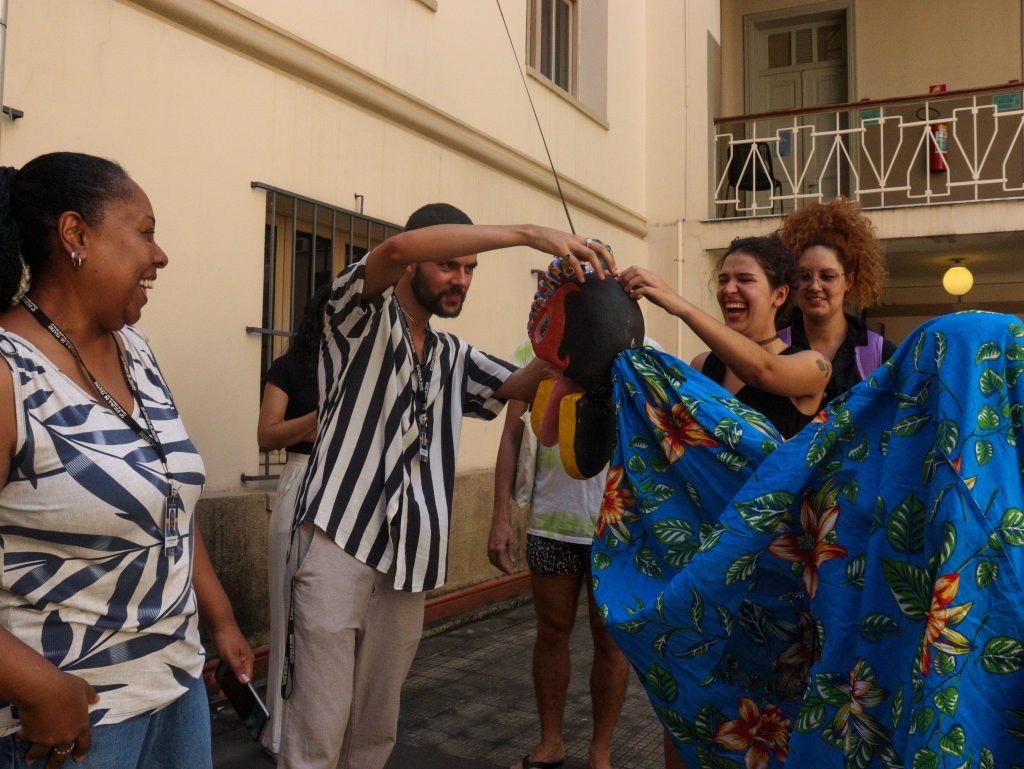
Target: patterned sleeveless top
point(84, 580)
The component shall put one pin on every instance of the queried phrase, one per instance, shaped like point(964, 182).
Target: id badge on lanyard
point(172, 536)
point(424, 439)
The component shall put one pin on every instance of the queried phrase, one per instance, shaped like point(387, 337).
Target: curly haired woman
point(840, 271)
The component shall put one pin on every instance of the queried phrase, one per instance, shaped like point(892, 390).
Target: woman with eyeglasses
point(839, 273)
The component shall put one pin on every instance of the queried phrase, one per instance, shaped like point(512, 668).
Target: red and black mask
point(579, 328)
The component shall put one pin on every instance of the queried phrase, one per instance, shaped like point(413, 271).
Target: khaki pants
point(356, 637)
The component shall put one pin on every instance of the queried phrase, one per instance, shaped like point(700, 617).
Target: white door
point(795, 61)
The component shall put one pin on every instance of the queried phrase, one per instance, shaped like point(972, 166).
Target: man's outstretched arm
point(387, 262)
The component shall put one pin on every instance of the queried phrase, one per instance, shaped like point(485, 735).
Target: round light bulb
point(958, 280)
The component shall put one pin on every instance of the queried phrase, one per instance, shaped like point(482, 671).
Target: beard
point(433, 301)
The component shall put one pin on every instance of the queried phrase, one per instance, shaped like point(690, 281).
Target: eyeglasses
point(827, 279)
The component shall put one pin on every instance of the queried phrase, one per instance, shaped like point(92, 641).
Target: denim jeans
point(176, 737)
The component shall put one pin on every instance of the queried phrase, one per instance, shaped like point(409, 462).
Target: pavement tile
point(468, 704)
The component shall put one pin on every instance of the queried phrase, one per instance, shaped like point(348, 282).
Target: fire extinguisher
point(939, 148)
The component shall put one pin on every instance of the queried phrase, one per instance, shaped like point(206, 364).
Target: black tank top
point(779, 409)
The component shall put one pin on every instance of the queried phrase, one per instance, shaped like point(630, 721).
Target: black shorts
point(554, 558)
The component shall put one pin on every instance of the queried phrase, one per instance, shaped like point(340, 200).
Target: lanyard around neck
point(421, 382)
point(424, 368)
point(148, 433)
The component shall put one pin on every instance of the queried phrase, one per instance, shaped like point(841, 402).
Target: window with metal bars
point(305, 244)
point(554, 41)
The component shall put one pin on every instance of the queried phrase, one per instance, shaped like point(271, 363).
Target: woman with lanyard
point(105, 572)
point(288, 420)
point(839, 273)
point(746, 356)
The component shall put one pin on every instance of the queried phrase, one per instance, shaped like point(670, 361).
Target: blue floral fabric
point(849, 598)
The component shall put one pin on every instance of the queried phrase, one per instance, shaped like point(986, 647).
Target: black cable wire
point(522, 75)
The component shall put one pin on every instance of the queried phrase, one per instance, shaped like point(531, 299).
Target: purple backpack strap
point(786, 335)
point(869, 356)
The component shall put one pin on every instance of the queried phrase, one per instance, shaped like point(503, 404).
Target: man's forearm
point(522, 384)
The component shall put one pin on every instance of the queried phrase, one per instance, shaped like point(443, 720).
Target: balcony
point(952, 147)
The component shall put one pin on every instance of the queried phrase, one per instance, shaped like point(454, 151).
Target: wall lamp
point(957, 280)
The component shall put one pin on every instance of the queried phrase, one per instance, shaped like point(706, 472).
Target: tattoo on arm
point(825, 367)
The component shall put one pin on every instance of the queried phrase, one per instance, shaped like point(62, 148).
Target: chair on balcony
point(752, 174)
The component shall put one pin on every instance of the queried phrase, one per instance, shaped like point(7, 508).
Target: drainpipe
point(3, 46)
point(679, 279)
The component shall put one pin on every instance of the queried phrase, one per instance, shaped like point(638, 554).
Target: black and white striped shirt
point(365, 486)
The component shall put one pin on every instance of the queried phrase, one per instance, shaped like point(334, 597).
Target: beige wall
point(459, 61)
point(681, 87)
point(112, 81)
point(965, 45)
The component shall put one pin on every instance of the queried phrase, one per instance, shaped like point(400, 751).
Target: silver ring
point(589, 241)
point(63, 751)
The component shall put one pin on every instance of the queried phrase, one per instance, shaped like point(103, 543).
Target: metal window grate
point(306, 243)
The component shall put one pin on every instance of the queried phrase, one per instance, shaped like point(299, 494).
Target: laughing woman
point(104, 571)
point(747, 357)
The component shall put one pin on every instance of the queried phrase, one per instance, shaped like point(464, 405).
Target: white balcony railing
point(951, 147)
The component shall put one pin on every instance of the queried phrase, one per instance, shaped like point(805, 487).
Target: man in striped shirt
point(373, 510)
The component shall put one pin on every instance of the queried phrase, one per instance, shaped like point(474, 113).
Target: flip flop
point(526, 763)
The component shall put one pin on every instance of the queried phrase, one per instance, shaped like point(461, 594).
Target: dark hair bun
point(11, 266)
point(32, 201)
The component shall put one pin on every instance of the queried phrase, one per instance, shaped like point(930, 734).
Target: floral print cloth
point(849, 598)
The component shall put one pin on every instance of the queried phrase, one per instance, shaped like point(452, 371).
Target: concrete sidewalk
point(468, 704)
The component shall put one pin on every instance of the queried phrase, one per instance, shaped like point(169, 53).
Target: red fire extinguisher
point(939, 148)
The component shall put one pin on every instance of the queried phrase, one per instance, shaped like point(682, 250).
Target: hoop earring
point(76, 261)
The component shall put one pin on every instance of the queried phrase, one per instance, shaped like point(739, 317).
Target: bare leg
point(672, 757)
point(608, 678)
point(554, 600)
